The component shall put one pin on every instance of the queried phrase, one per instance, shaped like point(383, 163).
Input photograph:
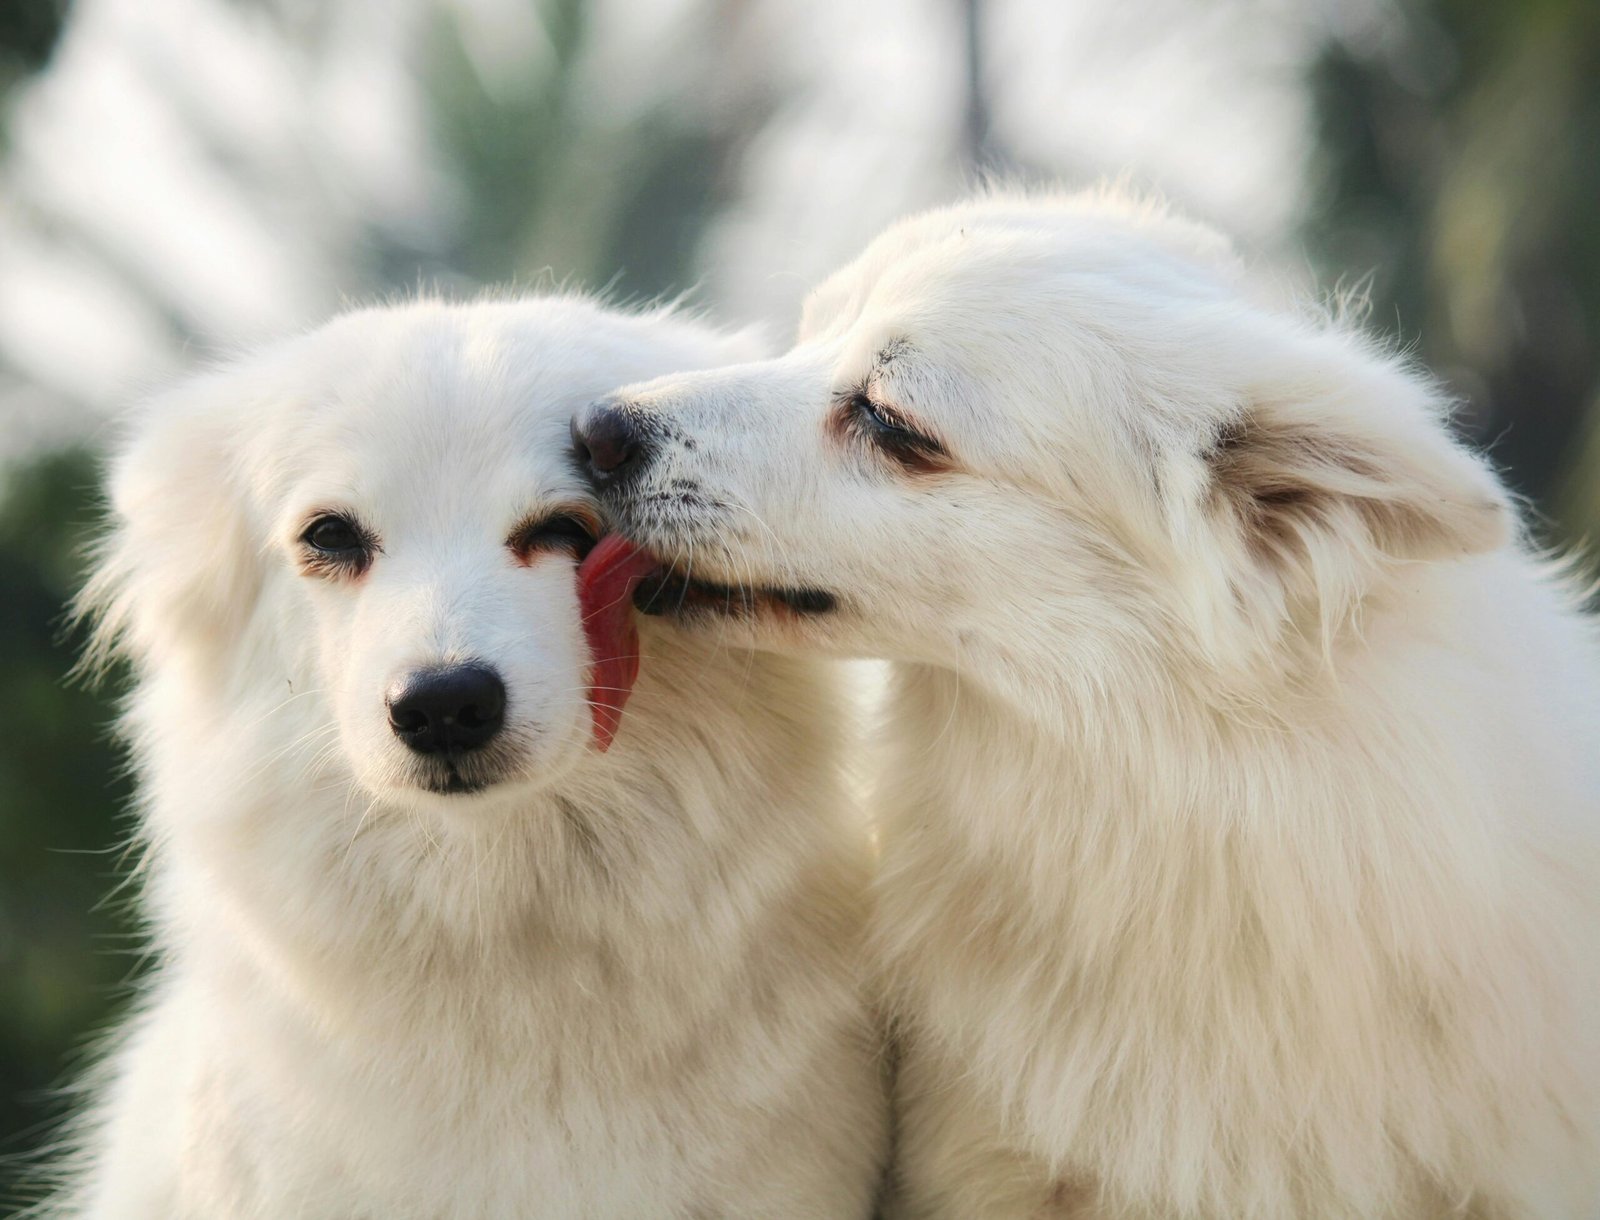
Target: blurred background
point(181, 177)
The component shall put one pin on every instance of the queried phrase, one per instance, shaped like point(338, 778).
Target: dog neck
point(1100, 900)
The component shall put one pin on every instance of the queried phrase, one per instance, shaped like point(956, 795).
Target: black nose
point(608, 441)
point(447, 708)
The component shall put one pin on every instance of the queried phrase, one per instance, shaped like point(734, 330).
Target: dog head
point(358, 548)
point(1053, 430)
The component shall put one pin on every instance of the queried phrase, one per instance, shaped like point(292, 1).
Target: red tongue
point(606, 581)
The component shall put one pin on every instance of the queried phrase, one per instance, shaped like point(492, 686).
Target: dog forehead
point(1015, 254)
point(948, 283)
point(1014, 345)
point(839, 300)
point(444, 371)
point(400, 413)
point(955, 316)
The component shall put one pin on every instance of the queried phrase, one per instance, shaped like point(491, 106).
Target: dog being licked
point(426, 950)
point(1242, 796)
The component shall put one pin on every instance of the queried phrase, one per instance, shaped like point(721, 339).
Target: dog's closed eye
point(892, 434)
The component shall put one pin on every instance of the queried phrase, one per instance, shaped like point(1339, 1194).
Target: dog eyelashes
point(875, 415)
point(889, 432)
point(570, 530)
point(337, 545)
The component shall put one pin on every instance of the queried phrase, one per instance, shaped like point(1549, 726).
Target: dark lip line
point(454, 784)
point(667, 592)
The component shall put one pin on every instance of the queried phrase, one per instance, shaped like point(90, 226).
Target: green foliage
point(507, 142)
point(28, 33)
point(551, 191)
point(63, 947)
point(1461, 162)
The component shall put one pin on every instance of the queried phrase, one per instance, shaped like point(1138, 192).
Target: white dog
point(1240, 826)
point(427, 950)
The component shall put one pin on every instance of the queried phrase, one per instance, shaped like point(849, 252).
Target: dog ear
point(177, 571)
point(1311, 475)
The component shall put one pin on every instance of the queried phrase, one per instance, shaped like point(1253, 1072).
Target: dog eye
point(888, 432)
point(333, 534)
point(873, 415)
point(336, 543)
point(563, 531)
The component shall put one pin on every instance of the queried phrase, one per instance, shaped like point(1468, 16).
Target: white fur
point(1239, 814)
point(616, 985)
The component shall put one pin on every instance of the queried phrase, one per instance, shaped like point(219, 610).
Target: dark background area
point(1453, 166)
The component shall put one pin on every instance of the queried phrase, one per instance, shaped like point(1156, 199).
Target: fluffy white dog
point(428, 950)
point(1240, 822)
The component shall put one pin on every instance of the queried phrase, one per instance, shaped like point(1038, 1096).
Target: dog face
point(1025, 428)
point(367, 538)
